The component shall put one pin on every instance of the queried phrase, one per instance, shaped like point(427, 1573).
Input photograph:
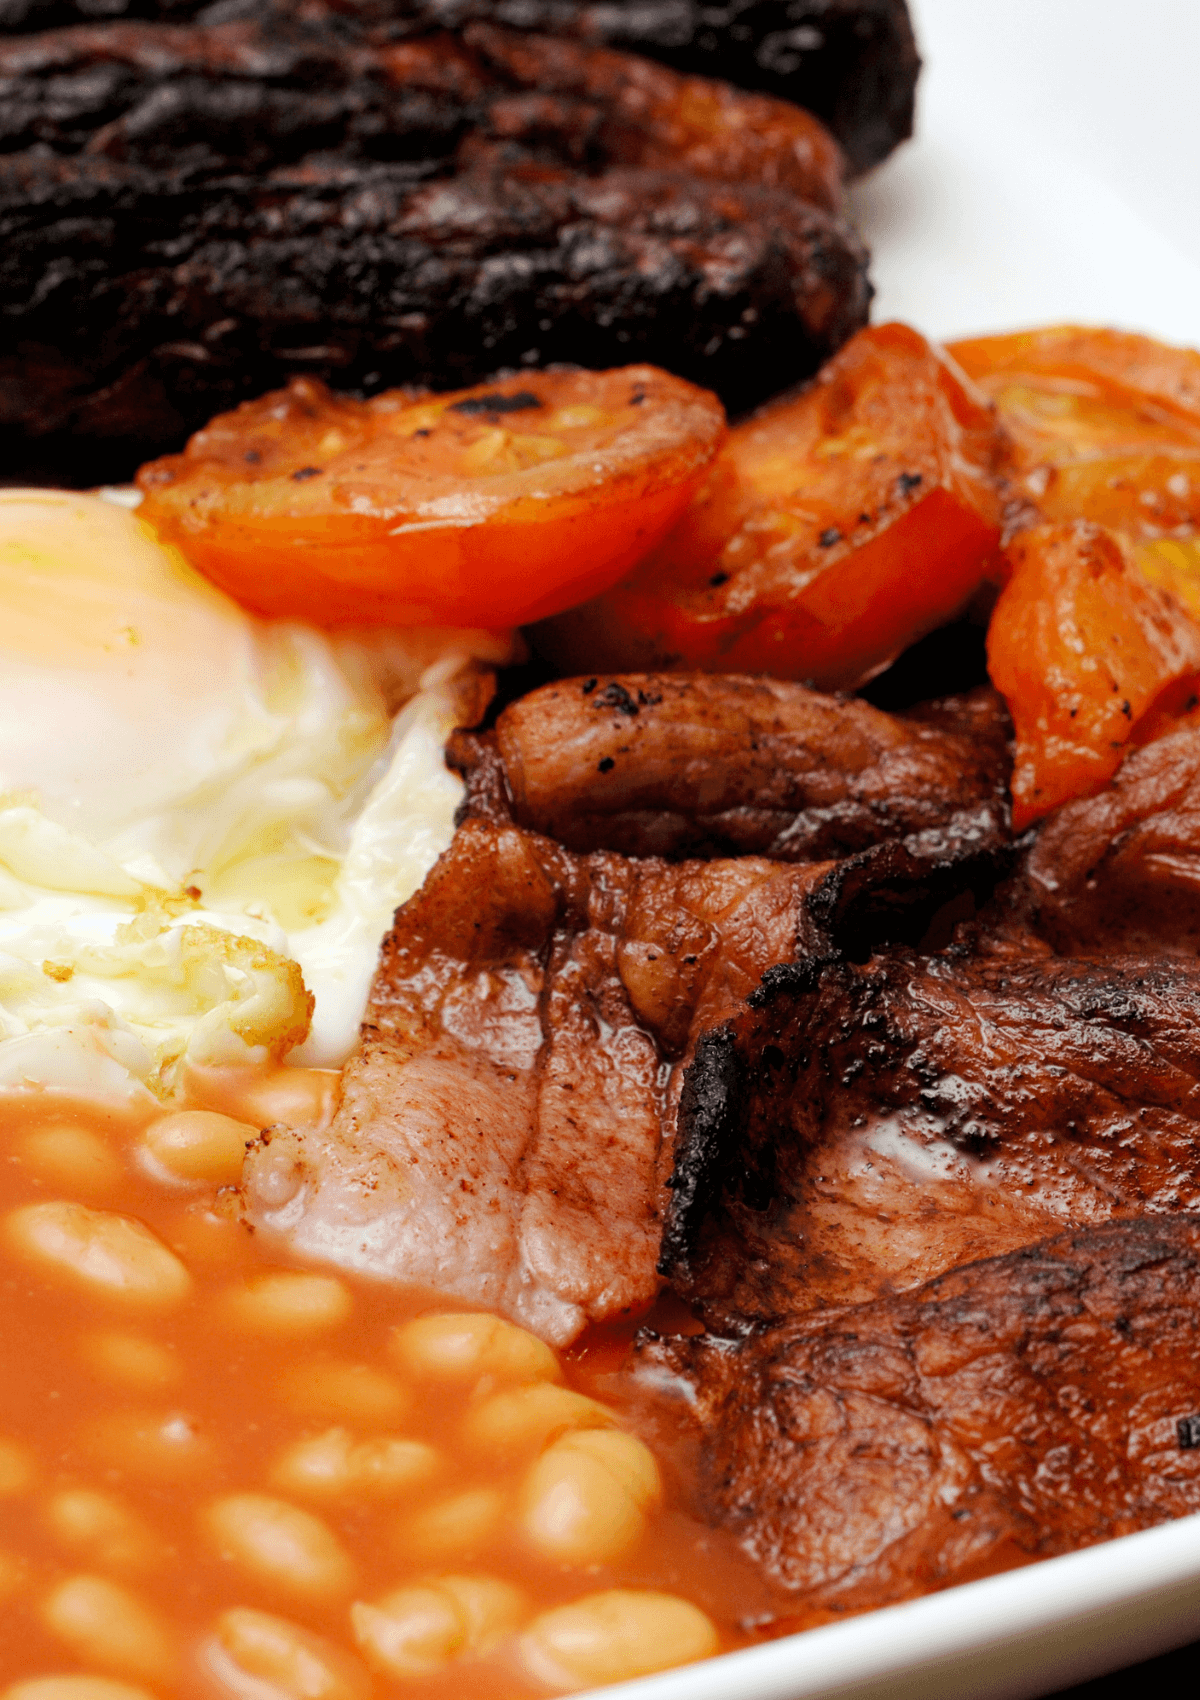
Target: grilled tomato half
point(1090, 658)
point(491, 506)
point(835, 528)
point(1105, 426)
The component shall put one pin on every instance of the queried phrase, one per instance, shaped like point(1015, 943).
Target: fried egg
point(206, 819)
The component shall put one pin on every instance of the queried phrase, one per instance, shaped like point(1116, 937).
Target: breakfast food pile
point(796, 1093)
point(596, 999)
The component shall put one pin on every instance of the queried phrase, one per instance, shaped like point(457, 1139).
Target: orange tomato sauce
point(150, 1434)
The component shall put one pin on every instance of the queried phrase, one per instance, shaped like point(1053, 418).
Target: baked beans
point(223, 1476)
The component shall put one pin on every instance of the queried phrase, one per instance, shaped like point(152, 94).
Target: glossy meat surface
point(192, 215)
point(852, 62)
point(702, 764)
point(139, 304)
point(866, 1128)
point(506, 1128)
point(1017, 1408)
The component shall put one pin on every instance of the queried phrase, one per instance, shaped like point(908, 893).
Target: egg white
point(206, 819)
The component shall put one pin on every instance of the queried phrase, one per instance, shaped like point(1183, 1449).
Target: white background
point(1055, 174)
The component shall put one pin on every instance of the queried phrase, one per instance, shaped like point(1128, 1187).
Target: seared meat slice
point(138, 304)
point(1121, 871)
point(852, 62)
point(1021, 1407)
point(703, 764)
point(506, 1127)
point(861, 1128)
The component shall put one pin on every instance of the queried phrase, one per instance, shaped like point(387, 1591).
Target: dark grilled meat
point(248, 96)
point(139, 304)
point(601, 108)
point(1121, 871)
point(236, 97)
point(192, 216)
point(852, 62)
point(709, 764)
point(1020, 1407)
point(507, 1124)
point(860, 1128)
point(21, 15)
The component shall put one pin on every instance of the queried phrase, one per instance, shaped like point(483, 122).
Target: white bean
point(105, 1625)
point(412, 1632)
point(109, 1256)
point(102, 1529)
point(73, 1688)
point(452, 1528)
point(288, 1301)
point(586, 1499)
point(299, 1097)
point(18, 1469)
point(130, 1360)
point(466, 1346)
point(416, 1631)
point(251, 1651)
point(280, 1544)
point(490, 1609)
point(200, 1145)
point(615, 1636)
point(340, 1390)
point(526, 1419)
point(334, 1465)
point(74, 1158)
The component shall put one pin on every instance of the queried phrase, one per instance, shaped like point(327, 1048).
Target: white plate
point(1054, 178)
point(1006, 1638)
point(1054, 175)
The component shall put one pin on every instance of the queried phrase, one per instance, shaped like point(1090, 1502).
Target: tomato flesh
point(1105, 426)
point(836, 527)
point(1156, 382)
point(487, 507)
point(1090, 659)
